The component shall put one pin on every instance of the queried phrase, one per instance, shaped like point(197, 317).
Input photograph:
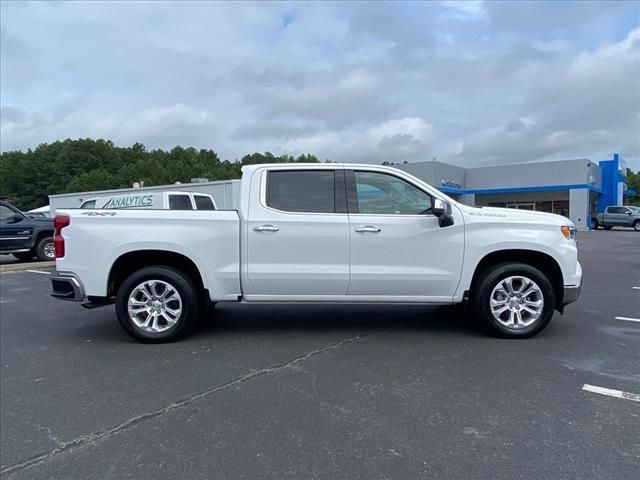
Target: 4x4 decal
point(99, 214)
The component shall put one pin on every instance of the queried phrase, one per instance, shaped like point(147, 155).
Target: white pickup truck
point(336, 233)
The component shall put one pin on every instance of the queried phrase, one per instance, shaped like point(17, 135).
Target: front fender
point(484, 239)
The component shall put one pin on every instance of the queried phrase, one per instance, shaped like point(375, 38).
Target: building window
point(544, 207)
point(561, 207)
point(522, 205)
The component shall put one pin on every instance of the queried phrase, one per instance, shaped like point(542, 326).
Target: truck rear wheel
point(514, 300)
point(608, 227)
point(636, 225)
point(45, 249)
point(157, 304)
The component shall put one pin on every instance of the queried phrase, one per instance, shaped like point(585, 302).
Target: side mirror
point(439, 207)
point(16, 218)
point(442, 210)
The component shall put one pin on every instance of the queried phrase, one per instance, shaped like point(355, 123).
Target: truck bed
point(210, 239)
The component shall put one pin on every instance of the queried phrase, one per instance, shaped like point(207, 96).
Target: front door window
point(383, 194)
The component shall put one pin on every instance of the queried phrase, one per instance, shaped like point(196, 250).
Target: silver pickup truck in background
point(627, 216)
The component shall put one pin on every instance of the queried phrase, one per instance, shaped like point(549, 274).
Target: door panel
point(297, 253)
point(410, 255)
point(13, 236)
point(624, 219)
point(614, 216)
point(397, 248)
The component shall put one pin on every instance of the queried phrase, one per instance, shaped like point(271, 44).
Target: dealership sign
point(450, 184)
point(130, 201)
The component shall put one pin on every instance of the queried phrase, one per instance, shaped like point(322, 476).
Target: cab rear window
point(180, 202)
point(203, 202)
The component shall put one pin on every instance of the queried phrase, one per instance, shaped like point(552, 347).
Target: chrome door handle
point(266, 228)
point(368, 229)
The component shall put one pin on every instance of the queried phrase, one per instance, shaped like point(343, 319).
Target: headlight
point(569, 233)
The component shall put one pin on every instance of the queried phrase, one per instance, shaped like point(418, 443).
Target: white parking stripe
point(628, 319)
point(634, 397)
point(636, 288)
point(38, 271)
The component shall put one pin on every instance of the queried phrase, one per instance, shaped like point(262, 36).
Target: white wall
point(579, 207)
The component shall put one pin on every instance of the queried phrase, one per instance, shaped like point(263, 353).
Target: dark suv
point(23, 236)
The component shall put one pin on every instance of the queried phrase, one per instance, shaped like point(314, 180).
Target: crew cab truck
point(627, 216)
point(336, 233)
point(24, 236)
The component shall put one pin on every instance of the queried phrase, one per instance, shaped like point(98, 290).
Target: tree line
point(633, 183)
point(28, 178)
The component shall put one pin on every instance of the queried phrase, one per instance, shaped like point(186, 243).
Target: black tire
point(594, 224)
point(189, 297)
point(45, 250)
point(24, 256)
point(491, 278)
point(608, 227)
point(636, 225)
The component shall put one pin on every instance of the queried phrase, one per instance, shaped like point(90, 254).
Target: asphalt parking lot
point(326, 391)
point(8, 260)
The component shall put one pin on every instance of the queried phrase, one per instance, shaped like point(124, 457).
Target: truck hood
point(516, 215)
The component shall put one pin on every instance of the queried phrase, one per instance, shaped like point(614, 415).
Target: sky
point(471, 83)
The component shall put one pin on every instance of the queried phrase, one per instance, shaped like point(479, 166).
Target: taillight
point(59, 222)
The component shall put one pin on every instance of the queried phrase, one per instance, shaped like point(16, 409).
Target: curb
point(19, 267)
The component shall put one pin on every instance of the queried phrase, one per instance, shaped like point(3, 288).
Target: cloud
point(469, 82)
point(589, 107)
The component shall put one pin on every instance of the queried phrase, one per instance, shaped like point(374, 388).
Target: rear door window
point(309, 191)
point(203, 202)
point(180, 202)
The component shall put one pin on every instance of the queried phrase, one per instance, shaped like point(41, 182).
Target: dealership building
point(573, 188)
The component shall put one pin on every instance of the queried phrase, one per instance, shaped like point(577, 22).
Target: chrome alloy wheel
point(154, 306)
point(516, 302)
point(49, 250)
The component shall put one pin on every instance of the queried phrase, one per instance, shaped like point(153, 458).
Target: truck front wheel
point(514, 300)
point(636, 225)
point(157, 304)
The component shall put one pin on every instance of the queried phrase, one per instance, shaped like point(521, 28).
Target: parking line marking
point(636, 288)
point(38, 271)
point(634, 397)
point(628, 319)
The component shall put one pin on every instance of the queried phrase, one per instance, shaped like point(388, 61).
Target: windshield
point(635, 210)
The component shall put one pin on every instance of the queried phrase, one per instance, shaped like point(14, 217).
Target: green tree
point(28, 178)
point(633, 183)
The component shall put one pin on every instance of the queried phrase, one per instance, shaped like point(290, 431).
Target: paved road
point(325, 391)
